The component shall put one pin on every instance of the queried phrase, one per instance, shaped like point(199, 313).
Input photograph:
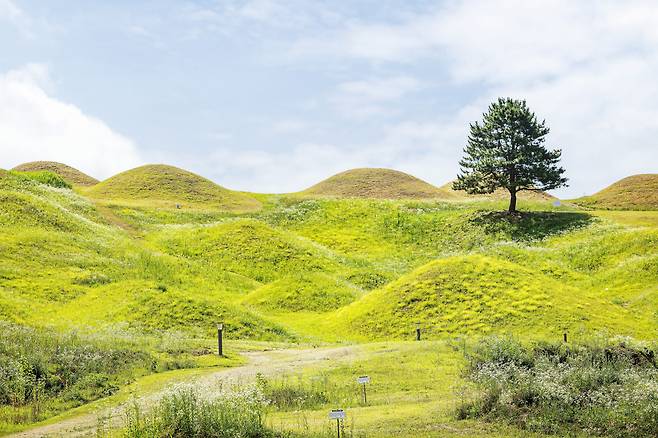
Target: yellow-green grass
point(413, 391)
point(70, 174)
point(325, 270)
point(636, 192)
point(163, 186)
point(314, 292)
point(375, 183)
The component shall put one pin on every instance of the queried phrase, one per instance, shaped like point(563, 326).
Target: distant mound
point(637, 192)
point(159, 185)
point(499, 194)
point(70, 174)
point(375, 183)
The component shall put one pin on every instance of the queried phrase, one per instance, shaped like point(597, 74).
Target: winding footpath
point(267, 363)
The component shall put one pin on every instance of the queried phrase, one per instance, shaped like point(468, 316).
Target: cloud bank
point(36, 126)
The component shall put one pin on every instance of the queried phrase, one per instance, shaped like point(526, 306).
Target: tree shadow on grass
point(530, 225)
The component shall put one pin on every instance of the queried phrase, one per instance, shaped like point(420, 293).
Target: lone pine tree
point(506, 150)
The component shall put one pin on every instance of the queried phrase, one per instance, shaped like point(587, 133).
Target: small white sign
point(557, 203)
point(363, 380)
point(337, 414)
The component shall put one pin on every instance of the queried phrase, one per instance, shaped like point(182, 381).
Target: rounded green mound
point(375, 183)
point(158, 185)
point(314, 292)
point(70, 174)
point(470, 294)
point(636, 192)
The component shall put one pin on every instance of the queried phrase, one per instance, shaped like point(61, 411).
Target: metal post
point(338, 426)
point(365, 397)
point(220, 339)
point(565, 337)
point(418, 331)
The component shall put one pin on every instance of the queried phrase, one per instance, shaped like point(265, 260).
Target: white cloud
point(372, 97)
point(36, 126)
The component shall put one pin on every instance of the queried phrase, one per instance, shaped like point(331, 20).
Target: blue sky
point(273, 96)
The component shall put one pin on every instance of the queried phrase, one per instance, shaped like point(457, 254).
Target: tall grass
point(186, 412)
point(42, 373)
point(605, 390)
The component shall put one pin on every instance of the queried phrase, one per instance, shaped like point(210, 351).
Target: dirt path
point(267, 363)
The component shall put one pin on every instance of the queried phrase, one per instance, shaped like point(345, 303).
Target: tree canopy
point(506, 150)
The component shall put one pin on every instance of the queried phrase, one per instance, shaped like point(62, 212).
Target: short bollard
point(220, 339)
point(338, 415)
point(363, 380)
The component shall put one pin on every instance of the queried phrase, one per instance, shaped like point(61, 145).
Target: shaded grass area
point(603, 389)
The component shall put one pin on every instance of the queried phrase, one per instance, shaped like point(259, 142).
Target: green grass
point(375, 183)
point(636, 192)
point(297, 269)
point(166, 187)
point(68, 173)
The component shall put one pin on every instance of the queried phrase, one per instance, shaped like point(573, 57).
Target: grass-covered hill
point(375, 183)
point(168, 186)
point(499, 194)
point(636, 192)
point(70, 174)
point(320, 269)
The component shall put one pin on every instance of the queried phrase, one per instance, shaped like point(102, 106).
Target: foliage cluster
point(606, 389)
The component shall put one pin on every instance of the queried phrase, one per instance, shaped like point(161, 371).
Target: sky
point(274, 96)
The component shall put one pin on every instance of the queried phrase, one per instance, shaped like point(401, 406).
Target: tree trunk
point(512, 202)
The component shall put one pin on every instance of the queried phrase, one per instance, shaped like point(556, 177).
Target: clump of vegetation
point(185, 412)
point(43, 372)
point(292, 394)
point(607, 390)
point(68, 173)
point(45, 177)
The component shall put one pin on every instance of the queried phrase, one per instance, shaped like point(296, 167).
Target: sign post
point(418, 331)
point(362, 380)
point(338, 415)
point(220, 339)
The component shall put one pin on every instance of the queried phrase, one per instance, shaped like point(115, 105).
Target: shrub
point(607, 390)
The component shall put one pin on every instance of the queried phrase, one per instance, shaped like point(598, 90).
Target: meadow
point(102, 286)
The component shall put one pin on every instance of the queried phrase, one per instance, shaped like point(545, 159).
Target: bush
point(55, 371)
point(607, 390)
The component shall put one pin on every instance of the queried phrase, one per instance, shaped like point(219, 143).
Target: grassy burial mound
point(70, 174)
point(476, 294)
point(314, 292)
point(375, 183)
point(158, 185)
point(636, 192)
point(498, 195)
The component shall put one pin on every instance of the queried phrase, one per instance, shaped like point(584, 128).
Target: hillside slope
point(375, 183)
point(636, 192)
point(499, 194)
point(158, 185)
point(70, 174)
